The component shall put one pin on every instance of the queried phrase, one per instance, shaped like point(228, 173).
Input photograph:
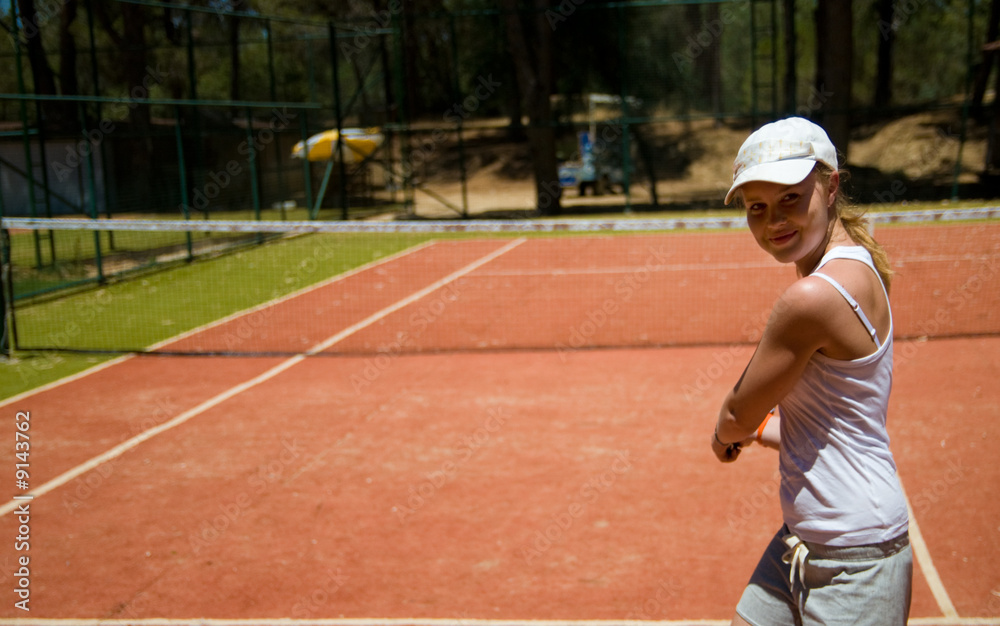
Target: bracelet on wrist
point(736, 445)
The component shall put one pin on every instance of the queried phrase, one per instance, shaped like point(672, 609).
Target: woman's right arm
point(799, 326)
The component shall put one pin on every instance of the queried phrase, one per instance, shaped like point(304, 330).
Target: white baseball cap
point(782, 152)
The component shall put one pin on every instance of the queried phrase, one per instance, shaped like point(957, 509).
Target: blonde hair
point(856, 223)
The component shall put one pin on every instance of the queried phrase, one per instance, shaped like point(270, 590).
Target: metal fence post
point(342, 168)
point(5, 308)
point(92, 193)
point(182, 171)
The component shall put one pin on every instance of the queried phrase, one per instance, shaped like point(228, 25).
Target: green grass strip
point(179, 299)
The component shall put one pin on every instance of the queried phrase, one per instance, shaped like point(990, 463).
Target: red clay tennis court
point(488, 431)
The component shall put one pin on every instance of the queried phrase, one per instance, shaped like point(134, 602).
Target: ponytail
point(857, 223)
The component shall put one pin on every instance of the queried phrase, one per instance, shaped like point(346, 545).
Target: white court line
point(954, 621)
point(127, 445)
point(706, 267)
point(162, 621)
point(923, 556)
point(921, 551)
point(64, 380)
point(631, 269)
point(295, 294)
point(363, 622)
point(218, 322)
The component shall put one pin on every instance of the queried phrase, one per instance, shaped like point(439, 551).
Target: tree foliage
point(417, 60)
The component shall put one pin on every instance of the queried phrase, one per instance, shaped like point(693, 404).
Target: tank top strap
point(854, 305)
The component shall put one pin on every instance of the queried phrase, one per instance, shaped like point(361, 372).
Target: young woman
point(825, 359)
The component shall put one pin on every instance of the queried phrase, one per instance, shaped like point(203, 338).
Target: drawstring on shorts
point(796, 557)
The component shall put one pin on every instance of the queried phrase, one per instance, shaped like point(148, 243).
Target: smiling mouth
point(782, 239)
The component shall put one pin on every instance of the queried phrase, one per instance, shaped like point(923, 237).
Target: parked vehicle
point(599, 170)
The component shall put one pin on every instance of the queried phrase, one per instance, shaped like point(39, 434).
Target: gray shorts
point(851, 585)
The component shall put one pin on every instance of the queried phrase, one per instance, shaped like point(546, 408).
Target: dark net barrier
point(264, 288)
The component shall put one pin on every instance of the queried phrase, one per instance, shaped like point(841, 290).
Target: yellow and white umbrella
point(359, 144)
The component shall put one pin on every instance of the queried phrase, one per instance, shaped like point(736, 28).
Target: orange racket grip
point(760, 429)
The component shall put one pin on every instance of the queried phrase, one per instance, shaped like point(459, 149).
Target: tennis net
point(320, 288)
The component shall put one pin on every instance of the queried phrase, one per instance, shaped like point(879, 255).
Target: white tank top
point(838, 478)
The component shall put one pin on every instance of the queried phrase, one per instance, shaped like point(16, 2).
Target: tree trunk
point(134, 63)
point(53, 114)
point(31, 38)
point(791, 57)
point(695, 90)
point(530, 41)
point(993, 143)
point(133, 67)
point(67, 50)
point(234, 56)
point(391, 105)
point(713, 64)
point(515, 129)
point(136, 73)
point(989, 57)
point(831, 99)
point(411, 58)
point(69, 84)
point(649, 161)
point(886, 43)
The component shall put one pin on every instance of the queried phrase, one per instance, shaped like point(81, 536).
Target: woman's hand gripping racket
point(727, 453)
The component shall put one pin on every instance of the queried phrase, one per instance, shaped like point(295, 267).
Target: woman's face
point(792, 222)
